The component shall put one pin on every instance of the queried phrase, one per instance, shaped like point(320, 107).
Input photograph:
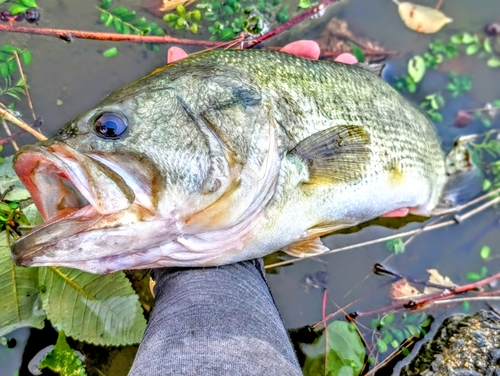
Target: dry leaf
point(436, 278)
point(422, 19)
point(337, 37)
point(401, 289)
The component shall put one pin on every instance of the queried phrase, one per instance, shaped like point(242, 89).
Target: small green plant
point(13, 90)
point(184, 19)
point(124, 21)
point(8, 65)
point(395, 245)
point(21, 6)
point(432, 104)
point(458, 84)
point(405, 83)
point(393, 333)
point(475, 276)
point(63, 359)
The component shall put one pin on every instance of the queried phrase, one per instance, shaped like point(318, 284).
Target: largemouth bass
point(227, 156)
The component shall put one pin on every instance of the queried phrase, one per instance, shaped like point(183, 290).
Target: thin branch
point(9, 134)
point(21, 124)
point(289, 24)
point(451, 222)
point(19, 65)
point(68, 35)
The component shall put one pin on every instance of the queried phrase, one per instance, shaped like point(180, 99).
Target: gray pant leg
point(215, 321)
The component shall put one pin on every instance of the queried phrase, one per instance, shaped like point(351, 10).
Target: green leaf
point(398, 334)
point(113, 51)
point(118, 25)
point(305, 4)
point(127, 17)
point(194, 28)
point(227, 34)
point(395, 344)
point(395, 245)
point(181, 10)
point(120, 12)
point(486, 187)
point(493, 62)
point(456, 38)
point(357, 51)
point(344, 356)
point(19, 292)
point(4, 70)
point(140, 22)
point(103, 310)
point(282, 15)
point(11, 64)
point(472, 49)
point(9, 178)
point(181, 21)
point(389, 318)
point(485, 252)
point(27, 57)
point(416, 68)
point(29, 3)
point(18, 8)
point(196, 15)
point(413, 330)
point(381, 345)
point(484, 271)
point(473, 276)
point(487, 45)
point(467, 38)
point(105, 4)
point(63, 359)
point(8, 49)
point(466, 306)
point(109, 20)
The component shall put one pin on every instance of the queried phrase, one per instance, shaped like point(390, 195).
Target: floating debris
point(422, 19)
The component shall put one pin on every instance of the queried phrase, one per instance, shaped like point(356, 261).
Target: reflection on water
point(67, 79)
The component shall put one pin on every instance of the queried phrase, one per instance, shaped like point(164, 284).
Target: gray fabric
point(215, 321)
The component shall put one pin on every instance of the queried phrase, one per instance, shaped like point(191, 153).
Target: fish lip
point(52, 183)
point(33, 161)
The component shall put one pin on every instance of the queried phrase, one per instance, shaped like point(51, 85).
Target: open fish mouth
point(72, 191)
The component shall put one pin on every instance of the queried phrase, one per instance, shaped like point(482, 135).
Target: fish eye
point(110, 125)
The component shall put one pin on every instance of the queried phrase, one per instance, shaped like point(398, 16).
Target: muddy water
point(67, 79)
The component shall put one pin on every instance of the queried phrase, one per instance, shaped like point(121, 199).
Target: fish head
point(117, 181)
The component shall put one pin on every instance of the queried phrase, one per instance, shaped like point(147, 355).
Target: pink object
point(308, 49)
point(175, 53)
point(346, 58)
point(403, 212)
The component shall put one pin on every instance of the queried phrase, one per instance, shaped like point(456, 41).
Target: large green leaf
point(9, 178)
point(342, 354)
point(19, 295)
point(103, 310)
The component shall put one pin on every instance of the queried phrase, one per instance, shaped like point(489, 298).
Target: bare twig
point(19, 65)
point(9, 133)
point(67, 34)
point(21, 124)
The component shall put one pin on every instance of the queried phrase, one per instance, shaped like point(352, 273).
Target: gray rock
point(462, 346)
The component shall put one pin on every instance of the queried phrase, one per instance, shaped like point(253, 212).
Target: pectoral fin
point(306, 247)
point(337, 154)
